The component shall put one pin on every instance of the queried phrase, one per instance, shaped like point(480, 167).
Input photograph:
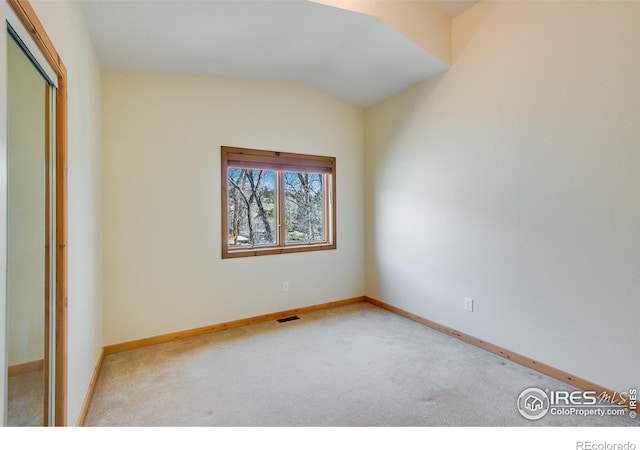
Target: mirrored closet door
point(30, 289)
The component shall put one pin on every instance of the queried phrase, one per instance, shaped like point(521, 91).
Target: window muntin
point(275, 202)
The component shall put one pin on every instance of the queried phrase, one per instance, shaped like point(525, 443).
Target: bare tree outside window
point(251, 207)
point(304, 207)
point(276, 202)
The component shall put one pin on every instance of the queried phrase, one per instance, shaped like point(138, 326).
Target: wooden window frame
point(279, 162)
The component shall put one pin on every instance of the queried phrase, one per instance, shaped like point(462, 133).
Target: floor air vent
point(288, 319)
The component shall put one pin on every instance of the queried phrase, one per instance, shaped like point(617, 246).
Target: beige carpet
point(356, 365)
point(25, 407)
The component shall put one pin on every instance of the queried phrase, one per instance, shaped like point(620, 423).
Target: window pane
point(251, 202)
point(304, 207)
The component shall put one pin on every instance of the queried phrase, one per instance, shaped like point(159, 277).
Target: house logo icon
point(533, 403)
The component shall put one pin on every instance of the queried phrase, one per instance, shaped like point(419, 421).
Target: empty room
point(332, 213)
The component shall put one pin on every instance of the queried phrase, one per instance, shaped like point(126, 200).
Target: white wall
point(65, 25)
point(162, 134)
point(513, 179)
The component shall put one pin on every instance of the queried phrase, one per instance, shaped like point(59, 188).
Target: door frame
point(27, 16)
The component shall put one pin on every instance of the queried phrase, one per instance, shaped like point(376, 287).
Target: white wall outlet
point(285, 286)
point(468, 304)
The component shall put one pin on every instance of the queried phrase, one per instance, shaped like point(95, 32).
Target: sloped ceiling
point(350, 55)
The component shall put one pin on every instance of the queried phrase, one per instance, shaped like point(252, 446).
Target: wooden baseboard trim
point(538, 366)
point(145, 342)
point(92, 385)
point(19, 369)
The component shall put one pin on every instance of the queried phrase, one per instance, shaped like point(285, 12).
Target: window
point(275, 202)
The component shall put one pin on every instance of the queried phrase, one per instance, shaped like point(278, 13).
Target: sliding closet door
point(33, 222)
point(29, 286)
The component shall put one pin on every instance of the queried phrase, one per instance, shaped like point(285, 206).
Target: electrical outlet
point(468, 304)
point(285, 286)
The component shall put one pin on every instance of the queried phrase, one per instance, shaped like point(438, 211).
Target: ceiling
point(352, 56)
